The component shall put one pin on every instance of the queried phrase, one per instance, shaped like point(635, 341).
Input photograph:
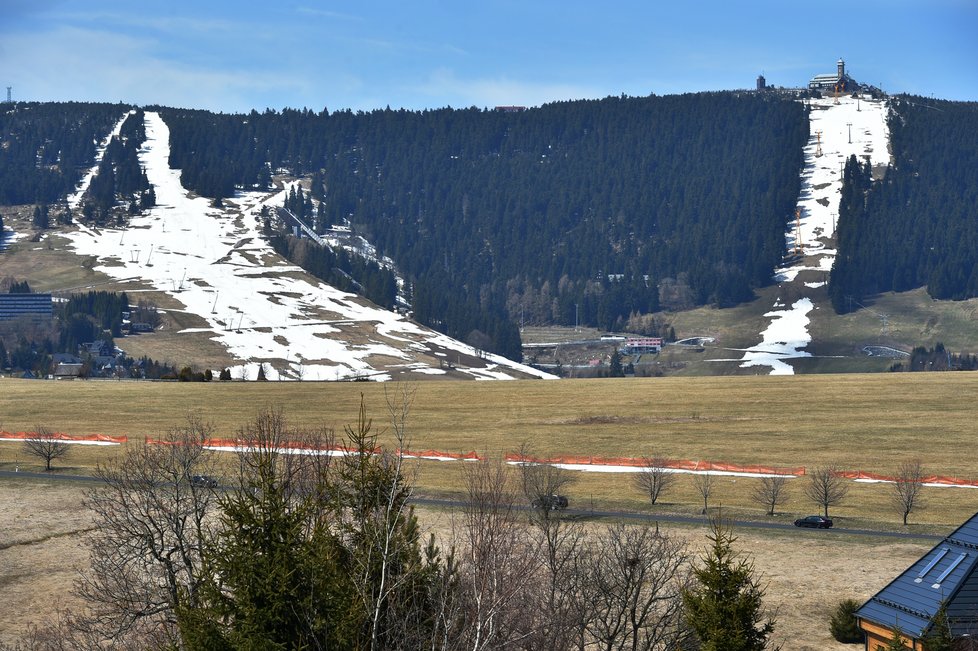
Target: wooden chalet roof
point(945, 573)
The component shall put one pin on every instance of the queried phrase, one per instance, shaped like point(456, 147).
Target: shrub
point(843, 623)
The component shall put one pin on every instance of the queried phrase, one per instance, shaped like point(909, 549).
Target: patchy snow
point(784, 338)
point(67, 441)
point(599, 467)
point(839, 129)
point(262, 310)
point(928, 484)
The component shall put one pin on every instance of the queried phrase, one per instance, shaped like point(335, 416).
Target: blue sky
point(235, 55)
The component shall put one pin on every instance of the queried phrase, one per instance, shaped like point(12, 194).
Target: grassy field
point(859, 422)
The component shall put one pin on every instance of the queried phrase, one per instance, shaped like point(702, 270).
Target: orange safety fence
point(674, 464)
point(100, 439)
point(625, 462)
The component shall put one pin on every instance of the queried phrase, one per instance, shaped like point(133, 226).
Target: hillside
point(915, 227)
point(573, 212)
point(652, 216)
point(224, 289)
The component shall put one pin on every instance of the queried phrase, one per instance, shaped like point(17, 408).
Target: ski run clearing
point(840, 128)
point(262, 309)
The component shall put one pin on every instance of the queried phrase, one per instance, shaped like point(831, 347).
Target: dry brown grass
point(866, 422)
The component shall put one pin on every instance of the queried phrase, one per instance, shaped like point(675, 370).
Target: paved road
point(587, 513)
point(46, 475)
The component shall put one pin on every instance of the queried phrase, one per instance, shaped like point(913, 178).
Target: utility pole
point(849, 124)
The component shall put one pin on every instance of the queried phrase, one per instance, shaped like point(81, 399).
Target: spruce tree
point(616, 368)
point(939, 636)
point(895, 643)
point(843, 623)
point(724, 604)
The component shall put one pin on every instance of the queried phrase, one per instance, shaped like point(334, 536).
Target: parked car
point(551, 502)
point(814, 521)
point(204, 480)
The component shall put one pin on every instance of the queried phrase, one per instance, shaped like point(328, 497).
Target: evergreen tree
point(895, 643)
point(938, 637)
point(616, 368)
point(843, 623)
point(305, 558)
point(41, 218)
point(280, 577)
point(724, 604)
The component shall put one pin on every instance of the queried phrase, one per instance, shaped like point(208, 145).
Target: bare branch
point(703, 481)
point(771, 492)
point(151, 520)
point(631, 584)
point(655, 478)
point(46, 445)
point(826, 487)
point(498, 567)
point(543, 486)
point(908, 487)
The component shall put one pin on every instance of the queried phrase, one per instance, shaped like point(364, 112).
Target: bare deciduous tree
point(655, 478)
point(146, 553)
point(498, 566)
point(703, 481)
point(46, 445)
point(542, 482)
point(631, 585)
point(826, 488)
point(771, 492)
point(908, 487)
point(559, 540)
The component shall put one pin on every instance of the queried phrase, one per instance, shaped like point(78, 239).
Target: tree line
point(915, 227)
point(46, 147)
point(120, 176)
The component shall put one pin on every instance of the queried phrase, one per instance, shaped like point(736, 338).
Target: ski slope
point(262, 310)
point(839, 129)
